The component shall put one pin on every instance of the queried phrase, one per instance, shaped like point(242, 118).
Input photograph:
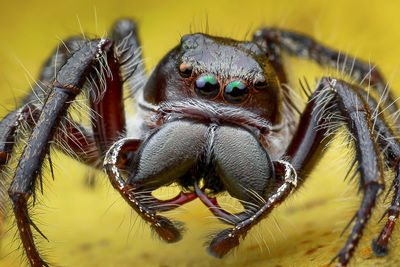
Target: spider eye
point(260, 84)
point(207, 86)
point(236, 92)
point(185, 70)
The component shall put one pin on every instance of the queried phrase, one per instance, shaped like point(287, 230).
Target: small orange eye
point(260, 83)
point(185, 70)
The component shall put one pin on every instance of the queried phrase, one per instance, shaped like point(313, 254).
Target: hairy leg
point(66, 87)
point(303, 46)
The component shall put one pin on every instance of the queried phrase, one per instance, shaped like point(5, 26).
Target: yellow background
point(94, 227)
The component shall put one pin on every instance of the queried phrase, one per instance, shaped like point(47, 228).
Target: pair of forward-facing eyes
point(207, 86)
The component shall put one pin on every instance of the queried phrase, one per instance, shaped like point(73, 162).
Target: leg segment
point(71, 137)
point(229, 238)
point(76, 141)
point(351, 104)
point(9, 127)
point(128, 51)
point(390, 145)
point(380, 245)
point(66, 87)
point(137, 200)
point(302, 46)
point(109, 119)
point(126, 64)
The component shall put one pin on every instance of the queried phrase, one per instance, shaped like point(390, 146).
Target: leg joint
point(17, 197)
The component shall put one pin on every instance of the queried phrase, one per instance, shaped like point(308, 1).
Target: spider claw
point(380, 250)
point(169, 232)
point(223, 243)
point(340, 257)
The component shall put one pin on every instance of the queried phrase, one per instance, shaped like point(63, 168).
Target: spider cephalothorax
point(215, 112)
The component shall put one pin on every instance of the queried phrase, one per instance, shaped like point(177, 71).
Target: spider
point(214, 116)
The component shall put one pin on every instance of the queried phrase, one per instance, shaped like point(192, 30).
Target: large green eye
point(207, 86)
point(236, 92)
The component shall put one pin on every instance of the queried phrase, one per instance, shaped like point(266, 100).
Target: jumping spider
point(214, 116)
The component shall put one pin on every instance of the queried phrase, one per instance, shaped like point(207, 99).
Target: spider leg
point(108, 116)
point(164, 227)
point(19, 123)
point(152, 167)
point(229, 238)
point(70, 136)
point(128, 50)
point(348, 100)
point(109, 125)
point(307, 146)
point(67, 85)
point(380, 244)
point(9, 127)
point(390, 146)
point(283, 171)
point(303, 46)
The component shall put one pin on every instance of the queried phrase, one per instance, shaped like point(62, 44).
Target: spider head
point(217, 69)
point(217, 99)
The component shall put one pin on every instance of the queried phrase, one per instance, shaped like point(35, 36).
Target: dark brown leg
point(54, 102)
point(77, 142)
point(9, 127)
point(124, 33)
point(164, 227)
point(303, 46)
point(66, 87)
point(380, 245)
point(109, 117)
point(71, 137)
point(390, 146)
point(229, 238)
point(359, 121)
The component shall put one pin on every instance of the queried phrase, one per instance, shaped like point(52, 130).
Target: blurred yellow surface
point(94, 227)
